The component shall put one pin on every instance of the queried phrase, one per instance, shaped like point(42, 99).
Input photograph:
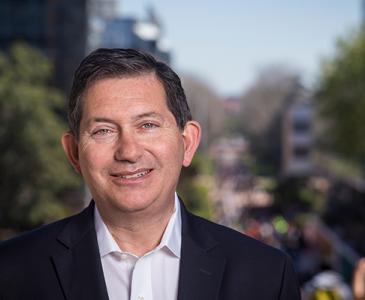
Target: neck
point(138, 233)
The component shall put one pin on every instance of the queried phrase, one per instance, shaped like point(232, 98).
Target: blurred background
point(278, 86)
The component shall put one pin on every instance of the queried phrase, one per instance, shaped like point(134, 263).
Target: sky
point(226, 43)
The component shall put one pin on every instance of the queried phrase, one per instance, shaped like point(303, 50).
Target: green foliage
point(194, 186)
point(201, 165)
point(338, 166)
point(196, 198)
point(35, 174)
point(341, 98)
point(299, 193)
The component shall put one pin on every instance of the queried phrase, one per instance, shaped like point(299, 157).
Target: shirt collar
point(172, 235)
point(106, 242)
point(171, 238)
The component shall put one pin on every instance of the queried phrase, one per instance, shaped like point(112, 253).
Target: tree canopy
point(35, 176)
point(260, 119)
point(341, 98)
point(194, 186)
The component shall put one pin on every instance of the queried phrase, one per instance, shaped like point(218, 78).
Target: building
point(297, 139)
point(130, 32)
point(104, 9)
point(99, 13)
point(65, 30)
point(57, 27)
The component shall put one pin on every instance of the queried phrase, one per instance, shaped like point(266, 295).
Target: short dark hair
point(113, 63)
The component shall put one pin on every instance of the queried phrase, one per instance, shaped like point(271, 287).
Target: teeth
point(134, 175)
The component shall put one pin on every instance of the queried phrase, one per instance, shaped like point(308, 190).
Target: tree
point(35, 175)
point(206, 107)
point(340, 97)
point(194, 186)
point(262, 108)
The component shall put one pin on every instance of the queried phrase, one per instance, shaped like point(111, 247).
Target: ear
point(191, 136)
point(70, 146)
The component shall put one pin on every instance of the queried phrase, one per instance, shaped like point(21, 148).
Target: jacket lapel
point(77, 261)
point(78, 265)
point(202, 264)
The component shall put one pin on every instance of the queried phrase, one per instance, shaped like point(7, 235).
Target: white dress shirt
point(153, 276)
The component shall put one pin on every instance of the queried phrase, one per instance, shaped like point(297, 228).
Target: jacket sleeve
point(289, 284)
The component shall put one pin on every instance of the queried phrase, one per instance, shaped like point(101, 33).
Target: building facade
point(56, 27)
point(66, 30)
point(129, 32)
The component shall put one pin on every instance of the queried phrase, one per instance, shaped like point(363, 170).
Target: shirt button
point(140, 298)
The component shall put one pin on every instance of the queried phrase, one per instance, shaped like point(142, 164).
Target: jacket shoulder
point(236, 243)
point(32, 239)
point(37, 240)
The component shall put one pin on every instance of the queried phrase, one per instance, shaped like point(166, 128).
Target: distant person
point(358, 281)
point(130, 134)
point(327, 285)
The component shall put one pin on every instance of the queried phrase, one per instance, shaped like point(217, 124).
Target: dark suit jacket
point(61, 261)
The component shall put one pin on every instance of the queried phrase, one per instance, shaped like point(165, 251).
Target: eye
point(149, 125)
point(102, 132)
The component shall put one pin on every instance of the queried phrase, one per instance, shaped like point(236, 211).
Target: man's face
point(130, 151)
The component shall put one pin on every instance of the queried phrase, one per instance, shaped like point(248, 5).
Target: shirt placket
point(141, 287)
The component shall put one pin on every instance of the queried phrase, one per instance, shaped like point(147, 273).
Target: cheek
point(94, 157)
point(171, 151)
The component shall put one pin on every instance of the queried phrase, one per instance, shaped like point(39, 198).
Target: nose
point(128, 148)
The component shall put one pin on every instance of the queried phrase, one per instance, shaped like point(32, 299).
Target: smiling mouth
point(132, 175)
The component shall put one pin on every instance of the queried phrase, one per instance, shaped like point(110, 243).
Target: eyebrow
point(148, 115)
point(135, 118)
point(100, 120)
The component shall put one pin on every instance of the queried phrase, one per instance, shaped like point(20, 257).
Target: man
point(131, 132)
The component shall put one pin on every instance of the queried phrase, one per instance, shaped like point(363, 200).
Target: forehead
point(125, 83)
point(125, 94)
